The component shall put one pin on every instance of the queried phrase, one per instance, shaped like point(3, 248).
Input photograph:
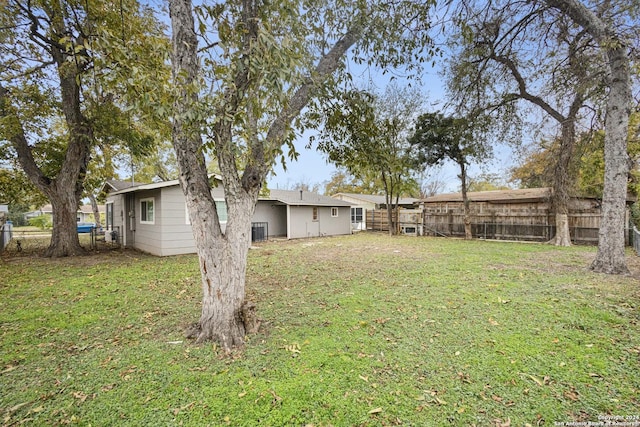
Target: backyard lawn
point(361, 330)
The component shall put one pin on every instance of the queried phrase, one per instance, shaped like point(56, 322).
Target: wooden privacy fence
point(378, 220)
point(583, 227)
point(534, 226)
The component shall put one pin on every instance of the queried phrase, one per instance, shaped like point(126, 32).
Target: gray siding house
point(153, 217)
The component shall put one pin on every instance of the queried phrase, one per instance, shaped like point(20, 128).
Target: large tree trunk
point(65, 189)
point(223, 262)
point(465, 202)
point(64, 237)
point(562, 177)
point(611, 256)
point(223, 256)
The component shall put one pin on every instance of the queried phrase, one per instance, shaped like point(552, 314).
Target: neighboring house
point(361, 203)
point(153, 217)
point(523, 214)
point(84, 213)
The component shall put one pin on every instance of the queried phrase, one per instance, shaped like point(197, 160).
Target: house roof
point(302, 198)
point(513, 196)
point(154, 185)
point(286, 197)
point(117, 185)
point(378, 200)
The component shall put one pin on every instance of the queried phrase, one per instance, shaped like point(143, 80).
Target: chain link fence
point(26, 242)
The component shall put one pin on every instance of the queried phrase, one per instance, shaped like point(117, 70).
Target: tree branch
point(19, 142)
point(327, 65)
point(522, 87)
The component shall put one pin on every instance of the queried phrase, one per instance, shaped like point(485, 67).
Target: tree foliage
point(367, 134)
point(63, 86)
point(487, 182)
point(513, 57)
point(534, 169)
point(343, 182)
point(438, 138)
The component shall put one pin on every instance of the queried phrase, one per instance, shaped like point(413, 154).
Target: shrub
point(43, 222)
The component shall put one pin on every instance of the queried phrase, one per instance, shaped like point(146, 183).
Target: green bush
point(43, 222)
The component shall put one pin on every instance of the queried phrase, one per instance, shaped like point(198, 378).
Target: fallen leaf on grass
point(293, 348)
point(16, 407)
point(108, 387)
point(276, 398)
point(572, 395)
point(189, 405)
point(540, 381)
point(375, 411)
point(500, 423)
point(80, 396)
point(8, 369)
point(440, 402)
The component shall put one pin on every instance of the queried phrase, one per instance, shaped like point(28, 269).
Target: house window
point(221, 207)
point(356, 214)
point(315, 214)
point(334, 212)
point(109, 216)
point(146, 211)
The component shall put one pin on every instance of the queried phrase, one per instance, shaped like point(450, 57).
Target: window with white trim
point(334, 212)
point(356, 214)
point(147, 211)
point(314, 214)
point(221, 208)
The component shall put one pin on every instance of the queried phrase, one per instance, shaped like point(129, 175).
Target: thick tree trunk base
point(60, 251)
point(563, 236)
point(230, 335)
point(609, 267)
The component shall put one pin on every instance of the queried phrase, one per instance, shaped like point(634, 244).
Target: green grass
point(358, 330)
